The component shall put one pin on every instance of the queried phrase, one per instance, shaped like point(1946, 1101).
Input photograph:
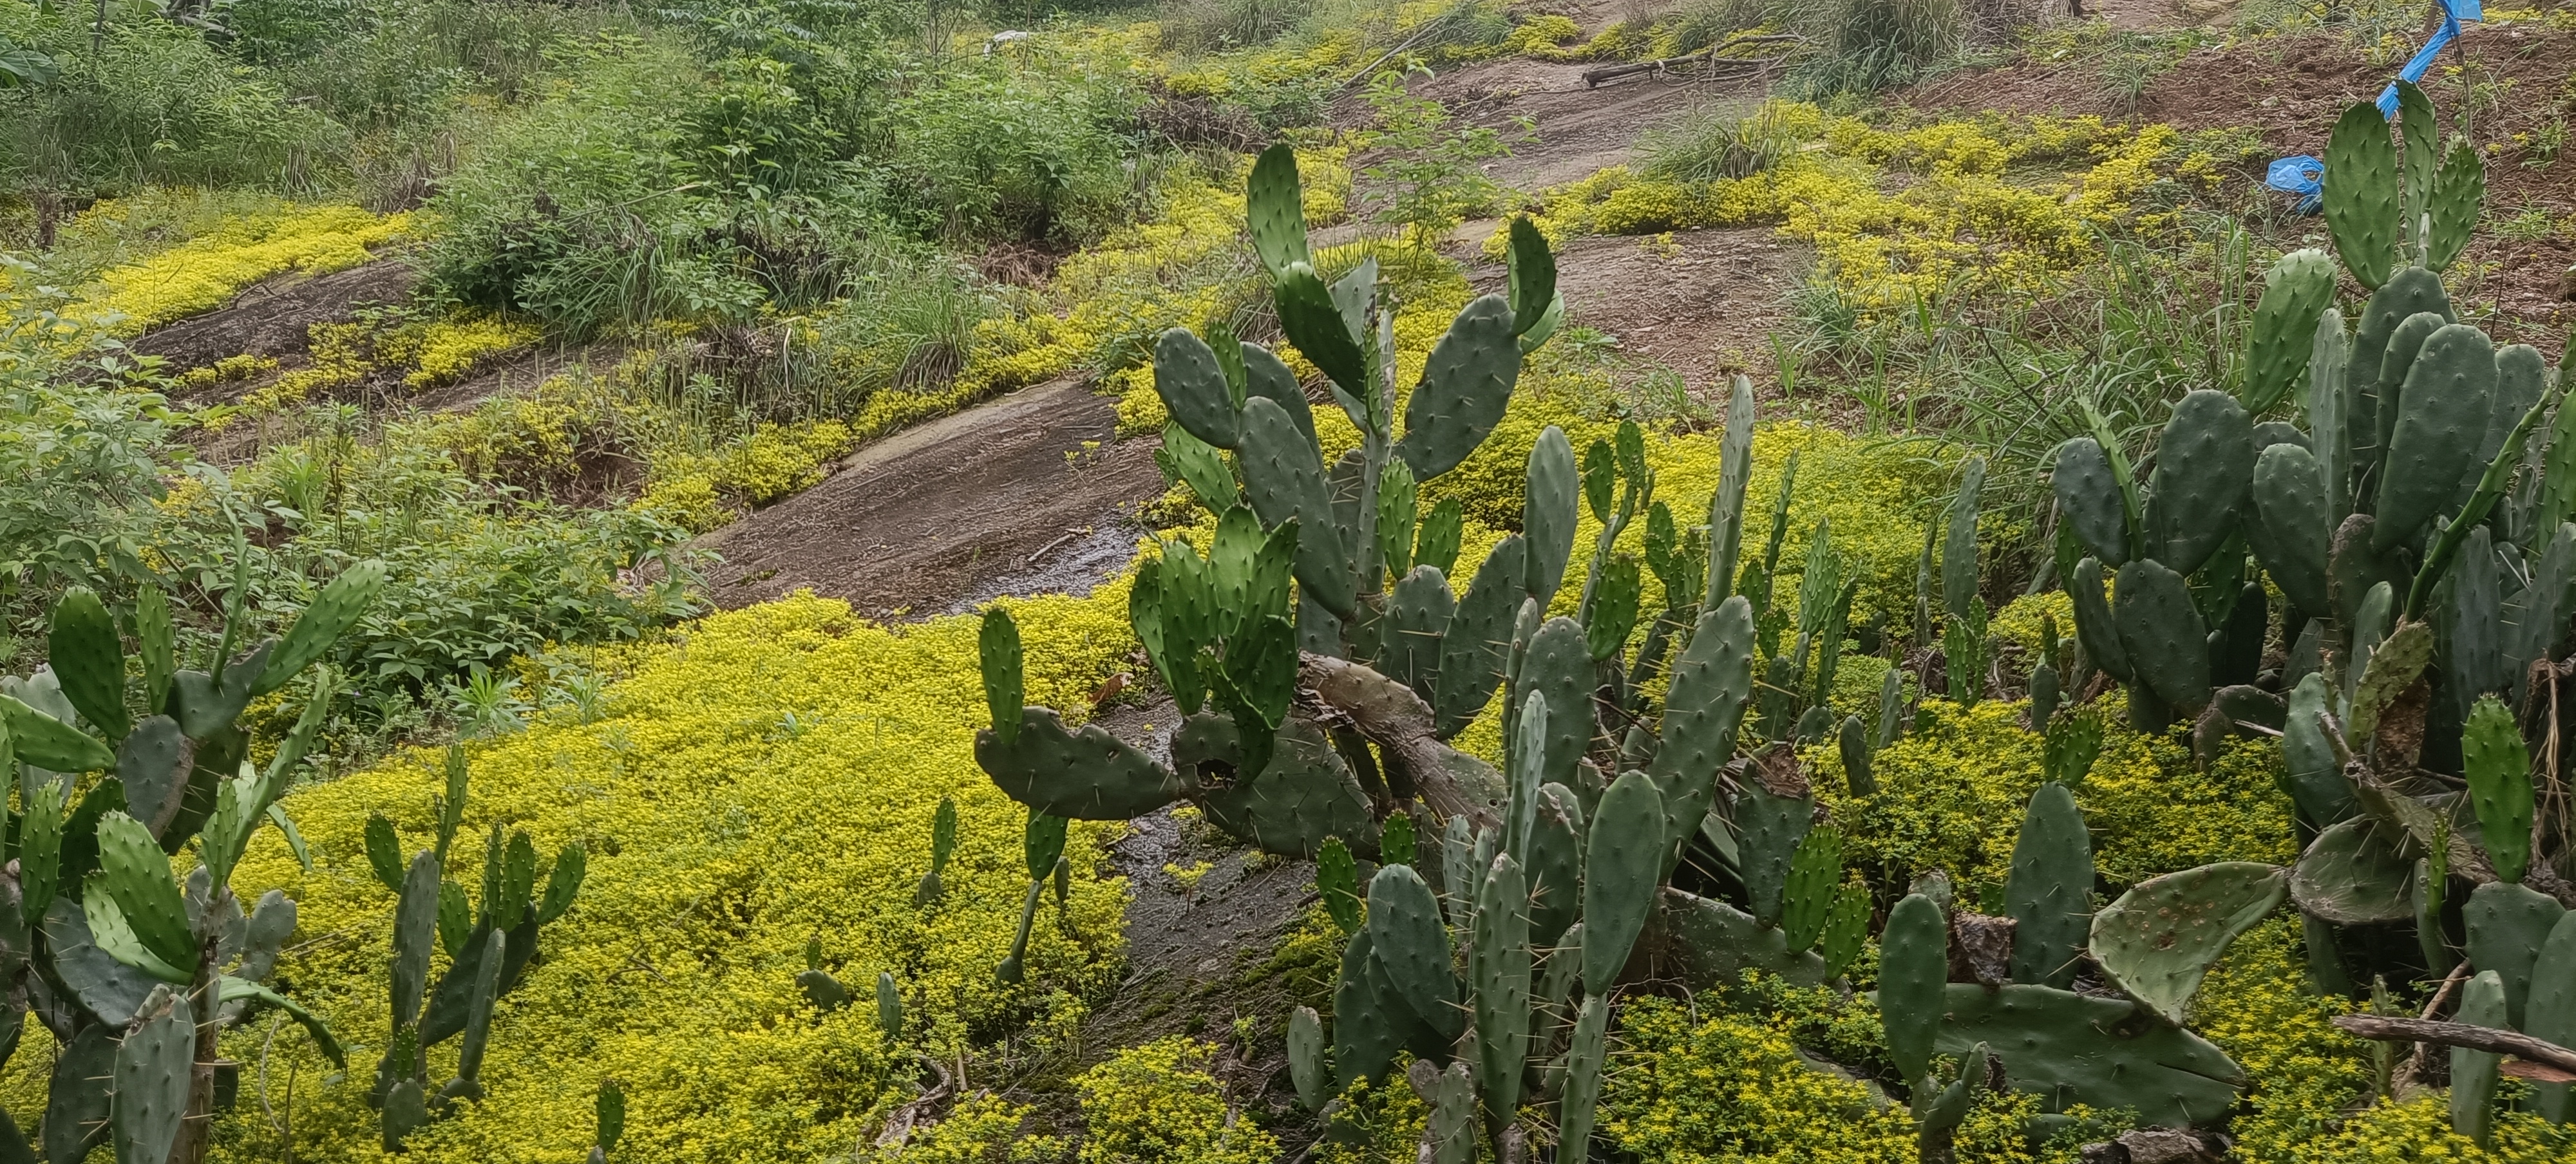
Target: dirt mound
point(1028, 493)
point(2513, 85)
point(272, 318)
point(1697, 302)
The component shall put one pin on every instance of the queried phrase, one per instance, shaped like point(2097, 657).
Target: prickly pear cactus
point(125, 945)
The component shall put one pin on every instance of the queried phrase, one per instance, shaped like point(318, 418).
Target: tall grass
point(155, 104)
point(2008, 377)
point(1851, 46)
point(1717, 142)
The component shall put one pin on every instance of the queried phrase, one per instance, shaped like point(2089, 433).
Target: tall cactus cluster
point(134, 972)
point(2415, 524)
point(1322, 660)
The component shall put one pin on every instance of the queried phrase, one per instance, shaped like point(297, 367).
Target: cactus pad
point(1708, 945)
point(2474, 1073)
point(1192, 384)
point(2163, 935)
point(1465, 385)
point(2162, 634)
point(2507, 926)
point(79, 1093)
point(1306, 1058)
point(1499, 969)
point(2356, 873)
point(1555, 864)
point(1407, 939)
point(332, 612)
point(2361, 193)
point(1558, 667)
point(1913, 966)
point(1768, 826)
point(2049, 893)
point(1418, 614)
point(89, 660)
point(2101, 1052)
point(47, 742)
point(1274, 204)
point(1283, 478)
point(1703, 709)
point(1815, 876)
point(1085, 775)
point(2550, 1012)
point(2441, 418)
point(2291, 526)
point(2204, 467)
point(1623, 859)
point(2459, 189)
point(1478, 639)
point(2283, 336)
point(1548, 512)
point(2088, 498)
point(2314, 779)
point(2498, 768)
point(155, 1068)
point(136, 874)
point(1305, 795)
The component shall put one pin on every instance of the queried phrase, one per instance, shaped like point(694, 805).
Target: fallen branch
point(1395, 718)
point(2475, 1038)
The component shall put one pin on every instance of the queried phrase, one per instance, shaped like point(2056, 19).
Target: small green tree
point(1431, 178)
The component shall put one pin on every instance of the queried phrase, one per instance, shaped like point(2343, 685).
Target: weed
point(2532, 224)
point(1430, 179)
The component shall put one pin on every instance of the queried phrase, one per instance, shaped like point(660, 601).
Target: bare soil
point(1698, 303)
point(272, 318)
point(2289, 90)
point(1029, 493)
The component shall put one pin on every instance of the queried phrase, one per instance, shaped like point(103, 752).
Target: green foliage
point(1432, 177)
point(157, 103)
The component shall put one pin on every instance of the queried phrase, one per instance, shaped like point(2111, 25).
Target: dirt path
point(1578, 128)
point(1025, 494)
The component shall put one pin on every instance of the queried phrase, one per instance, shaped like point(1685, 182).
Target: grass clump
point(1719, 144)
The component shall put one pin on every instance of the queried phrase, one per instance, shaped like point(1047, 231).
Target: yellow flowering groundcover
point(201, 273)
point(1896, 215)
point(765, 779)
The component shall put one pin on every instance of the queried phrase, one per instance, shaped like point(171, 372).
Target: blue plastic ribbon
point(2304, 175)
point(2453, 12)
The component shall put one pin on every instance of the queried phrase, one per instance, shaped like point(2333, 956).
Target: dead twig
point(2468, 1035)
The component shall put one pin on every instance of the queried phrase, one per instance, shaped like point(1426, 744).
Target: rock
point(1980, 949)
point(2167, 1146)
